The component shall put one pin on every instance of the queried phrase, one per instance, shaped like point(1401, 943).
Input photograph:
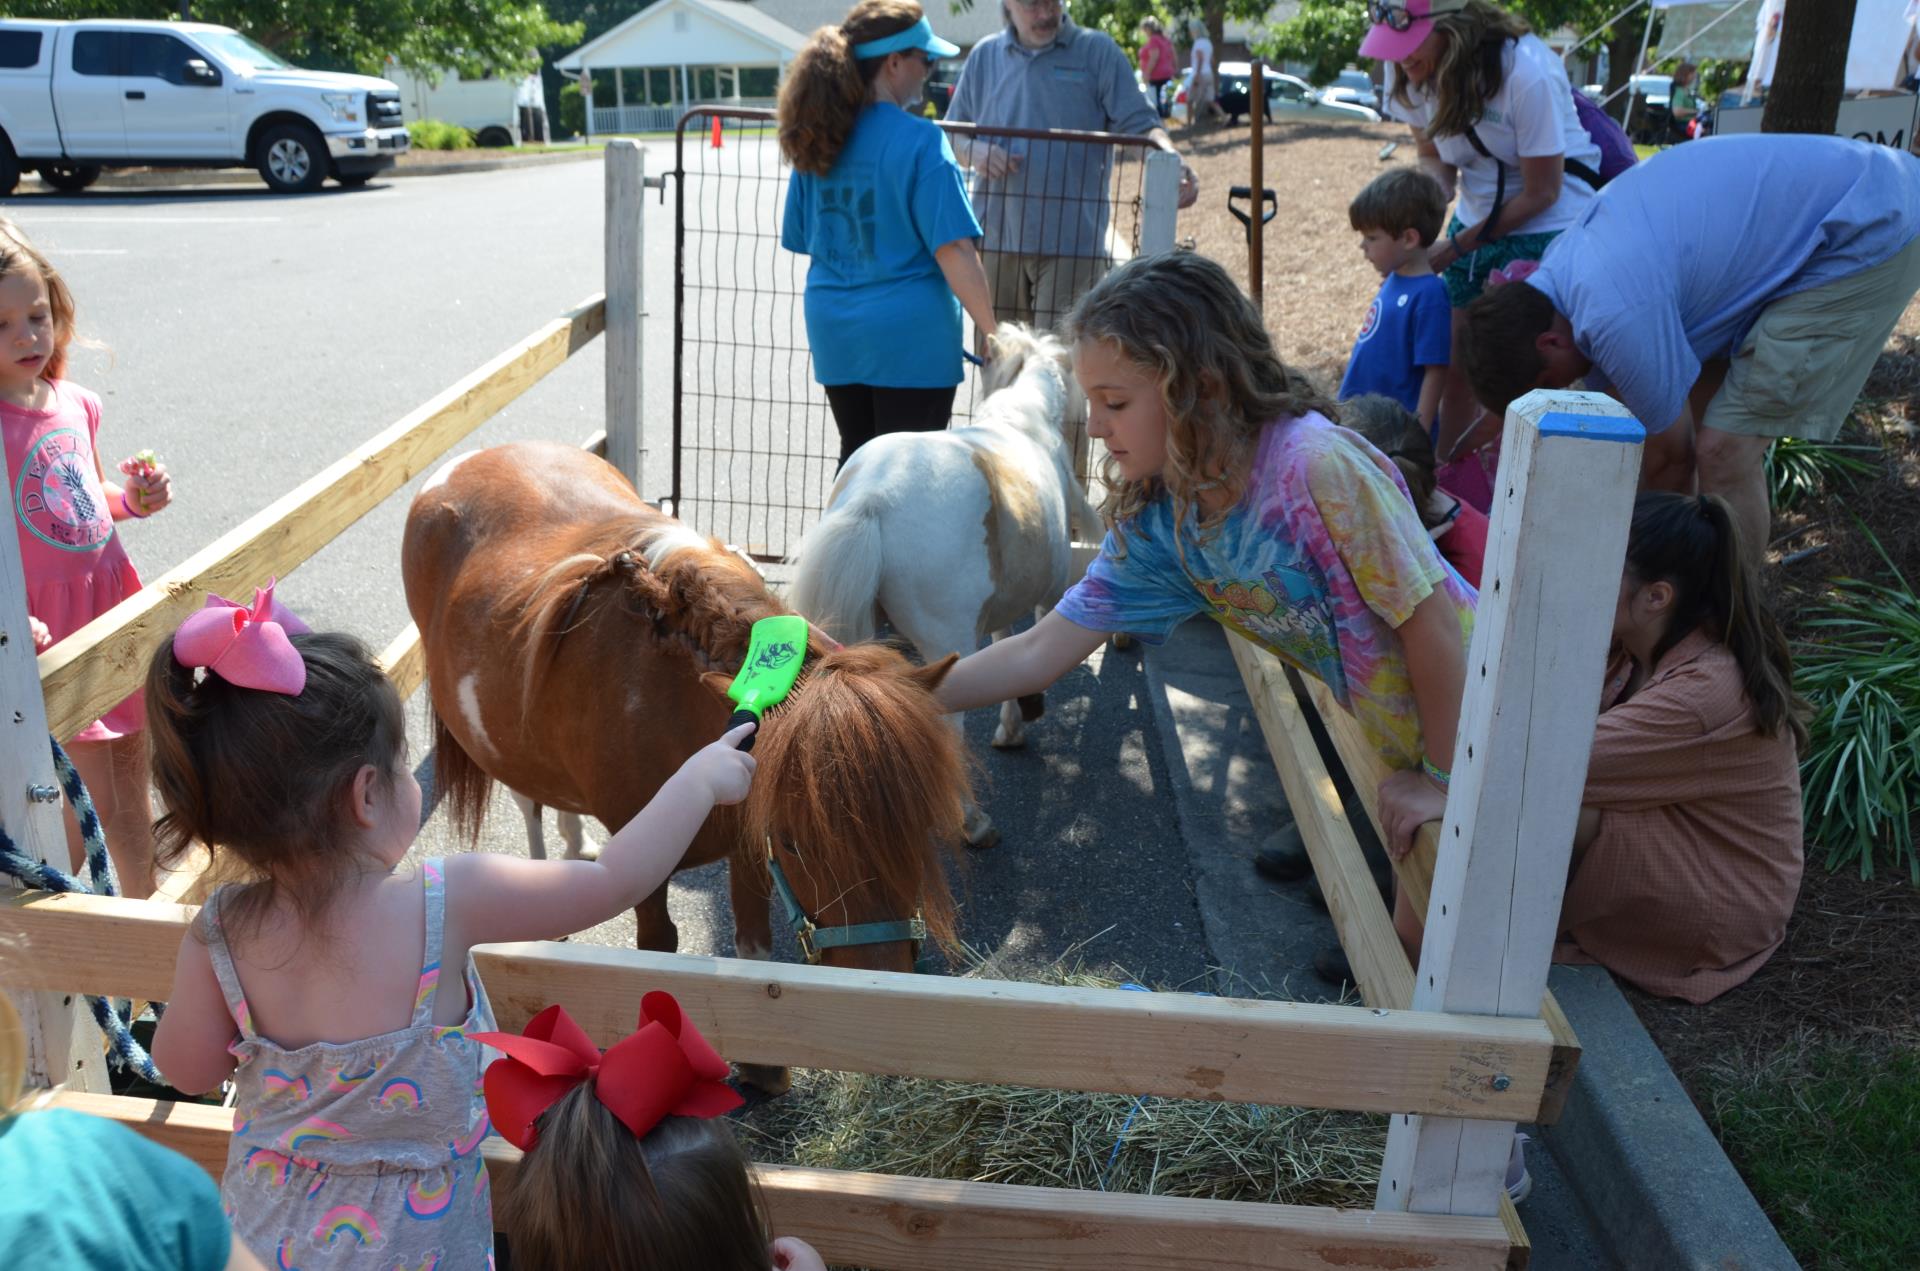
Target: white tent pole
point(1646, 38)
point(1675, 51)
point(1600, 30)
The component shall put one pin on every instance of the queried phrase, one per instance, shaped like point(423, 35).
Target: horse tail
point(460, 783)
point(860, 773)
point(840, 563)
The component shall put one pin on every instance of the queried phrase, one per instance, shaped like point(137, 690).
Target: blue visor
point(918, 36)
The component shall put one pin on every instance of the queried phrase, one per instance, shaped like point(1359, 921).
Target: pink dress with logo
point(76, 566)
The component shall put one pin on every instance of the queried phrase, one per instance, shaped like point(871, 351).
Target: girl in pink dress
point(64, 509)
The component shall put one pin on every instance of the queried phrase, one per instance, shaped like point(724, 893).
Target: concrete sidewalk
point(1630, 1177)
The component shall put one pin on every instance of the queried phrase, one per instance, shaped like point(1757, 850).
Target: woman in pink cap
point(1493, 117)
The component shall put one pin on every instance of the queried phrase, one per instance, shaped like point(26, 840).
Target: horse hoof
point(760, 1083)
point(1005, 738)
point(987, 838)
point(1032, 706)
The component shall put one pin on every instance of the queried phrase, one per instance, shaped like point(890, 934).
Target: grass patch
point(1827, 1134)
point(1059, 1138)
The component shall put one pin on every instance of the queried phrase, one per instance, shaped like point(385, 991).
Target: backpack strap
point(1499, 187)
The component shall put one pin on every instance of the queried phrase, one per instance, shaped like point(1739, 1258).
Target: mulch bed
point(1850, 968)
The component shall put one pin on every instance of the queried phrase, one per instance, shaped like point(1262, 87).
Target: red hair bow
point(245, 646)
point(664, 1069)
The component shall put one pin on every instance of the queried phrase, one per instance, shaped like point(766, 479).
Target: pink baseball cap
point(1400, 25)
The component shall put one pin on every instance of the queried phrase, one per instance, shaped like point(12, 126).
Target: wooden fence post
point(63, 1046)
point(1569, 464)
point(626, 188)
point(1159, 202)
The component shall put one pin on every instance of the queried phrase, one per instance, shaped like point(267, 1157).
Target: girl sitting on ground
point(627, 1163)
point(1687, 856)
point(358, 1116)
point(1457, 527)
point(1232, 494)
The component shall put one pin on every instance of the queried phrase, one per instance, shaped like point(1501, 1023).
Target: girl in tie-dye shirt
point(1232, 494)
point(337, 988)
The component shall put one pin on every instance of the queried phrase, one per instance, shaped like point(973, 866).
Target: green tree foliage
point(474, 37)
point(1324, 36)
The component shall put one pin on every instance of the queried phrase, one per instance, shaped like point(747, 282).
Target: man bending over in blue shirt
point(1746, 284)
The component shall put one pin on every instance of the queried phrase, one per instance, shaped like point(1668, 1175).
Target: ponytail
point(1694, 545)
point(826, 87)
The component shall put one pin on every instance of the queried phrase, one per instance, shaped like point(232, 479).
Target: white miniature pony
point(955, 535)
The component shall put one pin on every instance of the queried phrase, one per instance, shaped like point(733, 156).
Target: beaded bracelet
point(1438, 775)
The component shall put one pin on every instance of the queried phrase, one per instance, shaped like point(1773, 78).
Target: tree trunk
point(1214, 13)
point(1810, 73)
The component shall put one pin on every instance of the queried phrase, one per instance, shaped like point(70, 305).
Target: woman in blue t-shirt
point(881, 207)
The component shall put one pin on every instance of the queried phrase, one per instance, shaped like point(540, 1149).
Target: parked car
point(938, 92)
point(79, 97)
point(1286, 95)
point(1354, 86)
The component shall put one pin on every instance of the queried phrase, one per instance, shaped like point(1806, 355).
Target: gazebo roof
point(691, 32)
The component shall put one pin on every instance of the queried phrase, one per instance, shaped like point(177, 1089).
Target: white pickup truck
point(76, 97)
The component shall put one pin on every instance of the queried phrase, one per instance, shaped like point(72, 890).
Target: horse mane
point(859, 775)
point(861, 778)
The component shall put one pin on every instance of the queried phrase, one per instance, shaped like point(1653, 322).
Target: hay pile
point(1056, 1138)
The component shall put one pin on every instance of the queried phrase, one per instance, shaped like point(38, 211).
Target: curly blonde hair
point(1180, 320)
point(1471, 66)
point(826, 87)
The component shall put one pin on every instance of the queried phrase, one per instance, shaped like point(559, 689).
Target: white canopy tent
point(679, 53)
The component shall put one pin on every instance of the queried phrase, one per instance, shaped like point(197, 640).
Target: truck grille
point(383, 110)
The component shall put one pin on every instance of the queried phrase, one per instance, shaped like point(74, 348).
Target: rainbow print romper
point(365, 1154)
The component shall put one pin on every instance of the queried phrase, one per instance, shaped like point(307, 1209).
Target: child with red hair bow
point(627, 1163)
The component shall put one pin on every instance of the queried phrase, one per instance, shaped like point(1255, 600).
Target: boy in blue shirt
point(1407, 337)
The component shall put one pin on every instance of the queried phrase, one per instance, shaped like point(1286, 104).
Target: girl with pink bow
point(315, 987)
point(65, 512)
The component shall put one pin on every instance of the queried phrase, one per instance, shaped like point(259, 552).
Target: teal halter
point(814, 940)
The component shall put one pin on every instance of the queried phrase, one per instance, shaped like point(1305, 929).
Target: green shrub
point(1861, 673)
point(1797, 469)
point(573, 112)
point(436, 134)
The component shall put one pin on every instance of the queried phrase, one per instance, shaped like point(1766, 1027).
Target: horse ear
point(1008, 348)
point(928, 677)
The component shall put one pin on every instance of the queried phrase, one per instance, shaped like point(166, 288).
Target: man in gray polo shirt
point(1043, 204)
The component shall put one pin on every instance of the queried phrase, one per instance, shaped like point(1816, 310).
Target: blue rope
point(123, 1051)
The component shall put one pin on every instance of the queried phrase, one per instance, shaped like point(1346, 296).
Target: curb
point(170, 177)
point(1645, 1164)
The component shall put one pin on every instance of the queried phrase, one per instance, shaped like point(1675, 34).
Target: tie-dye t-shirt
point(1319, 563)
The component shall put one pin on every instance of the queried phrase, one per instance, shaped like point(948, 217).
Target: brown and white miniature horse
point(579, 645)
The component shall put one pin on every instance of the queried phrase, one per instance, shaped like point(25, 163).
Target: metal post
point(63, 1046)
point(626, 187)
point(1159, 202)
point(1256, 228)
point(586, 97)
point(1568, 467)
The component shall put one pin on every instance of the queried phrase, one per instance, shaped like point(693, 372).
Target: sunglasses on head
point(1392, 16)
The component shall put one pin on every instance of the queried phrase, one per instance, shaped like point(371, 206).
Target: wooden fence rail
point(1174, 1045)
point(84, 675)
point(913, 1224)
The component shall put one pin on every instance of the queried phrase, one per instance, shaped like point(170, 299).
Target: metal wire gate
point(754, 444)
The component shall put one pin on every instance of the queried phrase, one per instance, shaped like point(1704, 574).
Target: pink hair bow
point(1517, 271)
point(247, 647)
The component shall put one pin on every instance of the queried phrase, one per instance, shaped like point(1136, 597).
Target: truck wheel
point(494, 137)
point(293, 159)
point(70, 177)
point(354, 180)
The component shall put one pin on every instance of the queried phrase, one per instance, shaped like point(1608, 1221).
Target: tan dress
point(1687, 889)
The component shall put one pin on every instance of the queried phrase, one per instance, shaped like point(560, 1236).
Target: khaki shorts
point(1803, 364)
point(1039, 290)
